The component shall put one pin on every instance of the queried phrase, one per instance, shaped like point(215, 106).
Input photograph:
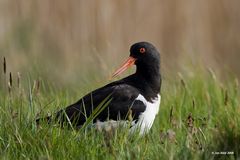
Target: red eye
point(142, 50)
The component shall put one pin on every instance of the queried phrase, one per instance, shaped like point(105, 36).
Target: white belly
point(146, 119)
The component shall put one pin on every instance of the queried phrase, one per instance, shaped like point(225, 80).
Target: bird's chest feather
point(147, 117)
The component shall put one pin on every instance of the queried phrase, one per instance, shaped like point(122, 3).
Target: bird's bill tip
point(128, 63)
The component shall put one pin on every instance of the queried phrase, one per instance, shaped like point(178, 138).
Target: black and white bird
point(138, 93)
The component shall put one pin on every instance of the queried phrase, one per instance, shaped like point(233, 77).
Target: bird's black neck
point(147, 80)
point(150, 74)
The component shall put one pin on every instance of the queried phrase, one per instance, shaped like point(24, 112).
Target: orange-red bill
point(128, 63)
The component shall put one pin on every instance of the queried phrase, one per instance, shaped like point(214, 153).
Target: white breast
point(146, 118)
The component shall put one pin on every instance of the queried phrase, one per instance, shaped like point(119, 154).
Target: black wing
point(122, 100)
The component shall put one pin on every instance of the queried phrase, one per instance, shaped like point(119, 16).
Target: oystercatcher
point(138, 94)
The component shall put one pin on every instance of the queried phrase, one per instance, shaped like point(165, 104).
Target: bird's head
point(141, 54)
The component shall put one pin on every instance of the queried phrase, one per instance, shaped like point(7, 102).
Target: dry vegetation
point(72, 34)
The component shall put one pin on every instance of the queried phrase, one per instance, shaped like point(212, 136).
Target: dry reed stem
point(4, 66)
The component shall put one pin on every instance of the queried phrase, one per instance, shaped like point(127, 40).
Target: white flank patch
point(146, 119)
point(112, 125)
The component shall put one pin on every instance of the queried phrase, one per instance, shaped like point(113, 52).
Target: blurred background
point(72, 42)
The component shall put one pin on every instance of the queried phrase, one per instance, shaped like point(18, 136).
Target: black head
point(145, 53)
point(146, 57)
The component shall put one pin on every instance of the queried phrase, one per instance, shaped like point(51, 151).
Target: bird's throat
point(151, 74)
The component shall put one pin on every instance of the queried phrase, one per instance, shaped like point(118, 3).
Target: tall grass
point(198, 119)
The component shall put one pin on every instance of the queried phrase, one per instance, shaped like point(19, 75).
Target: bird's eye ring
point(142, 50)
